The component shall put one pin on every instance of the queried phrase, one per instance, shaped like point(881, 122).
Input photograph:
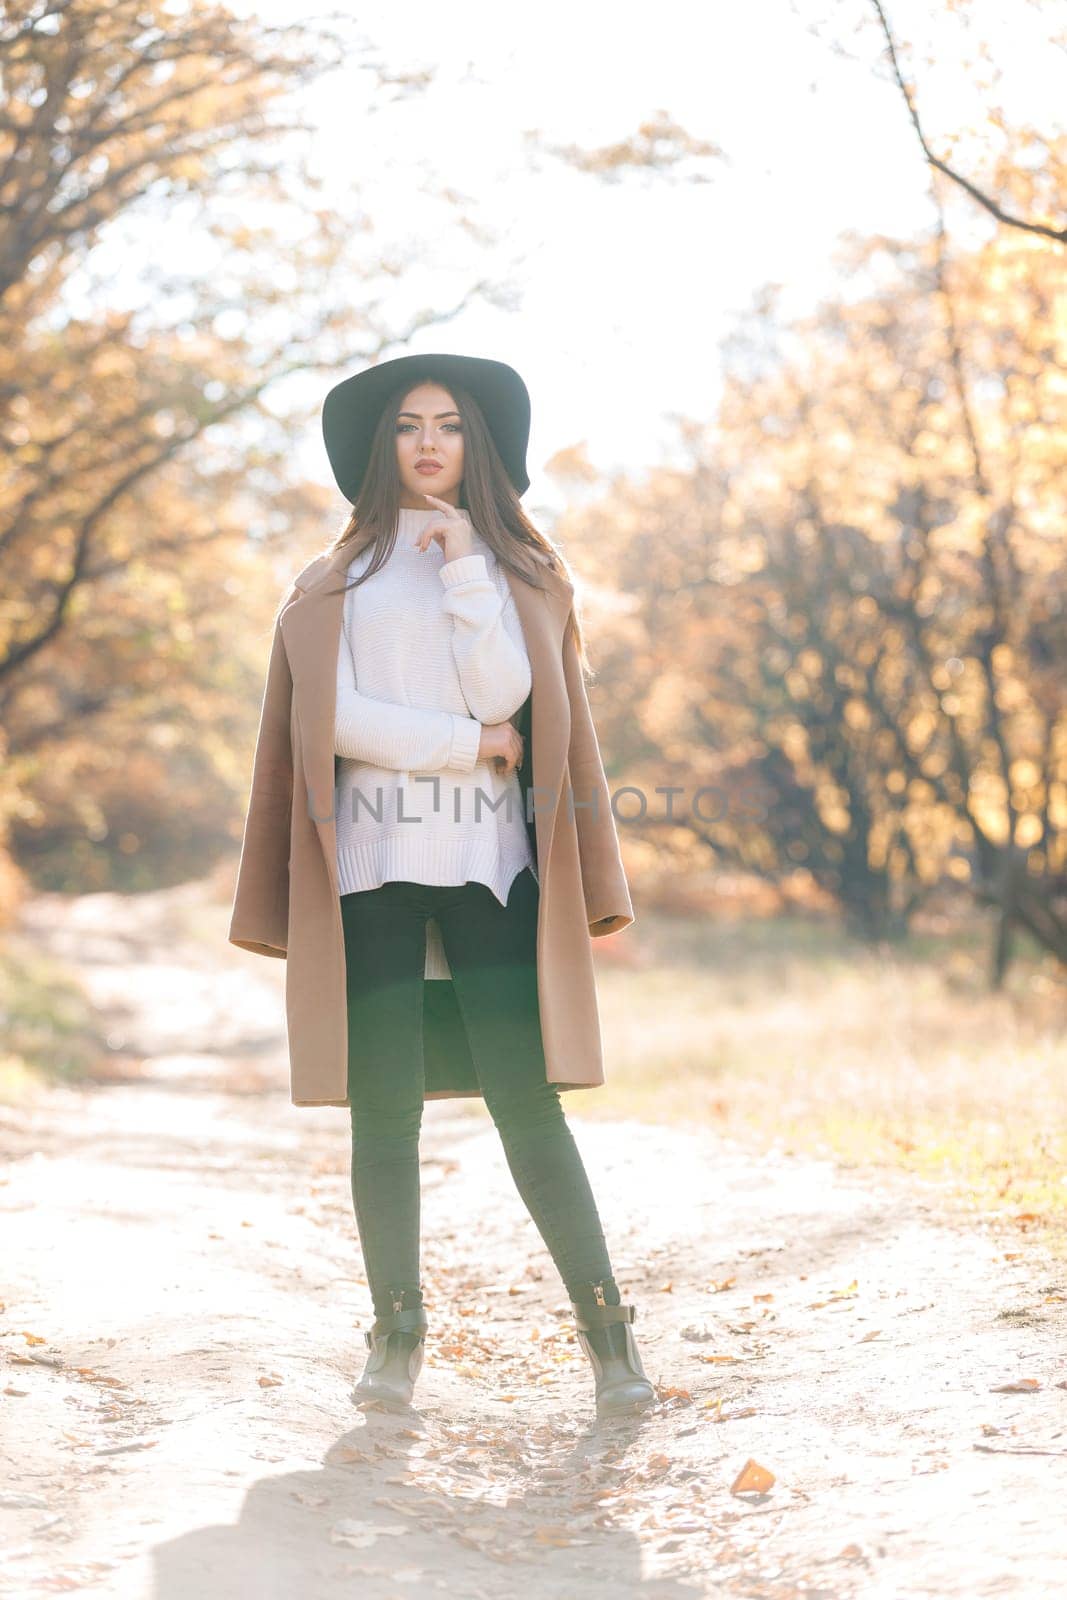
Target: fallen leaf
point(472, 1534)
point(752, 1479)
point(361, 1535)
point(557, 1536)
point(1017, 1386)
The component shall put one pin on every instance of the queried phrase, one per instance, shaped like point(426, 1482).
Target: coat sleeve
point(607, 896)
point(260, 917)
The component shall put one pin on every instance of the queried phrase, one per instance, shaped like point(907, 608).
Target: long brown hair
point(487, 494)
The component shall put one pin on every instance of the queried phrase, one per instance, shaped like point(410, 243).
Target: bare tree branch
point(1059, 235)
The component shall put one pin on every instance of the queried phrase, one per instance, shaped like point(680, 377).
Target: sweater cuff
point(465, 569)
point(466, 737)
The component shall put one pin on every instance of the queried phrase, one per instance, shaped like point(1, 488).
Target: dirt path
point(184, 1299)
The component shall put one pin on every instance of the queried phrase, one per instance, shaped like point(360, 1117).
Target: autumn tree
point(853, 601)
point(848, 616)
point(167, 275)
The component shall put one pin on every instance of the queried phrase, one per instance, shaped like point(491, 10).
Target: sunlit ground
point(786, 1032)
point(184, 1407)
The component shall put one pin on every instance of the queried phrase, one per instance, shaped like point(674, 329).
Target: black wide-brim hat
point(352, 408)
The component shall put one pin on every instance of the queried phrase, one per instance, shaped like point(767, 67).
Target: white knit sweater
point(429, 651)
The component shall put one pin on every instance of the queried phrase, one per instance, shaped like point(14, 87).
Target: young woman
point(452, 629)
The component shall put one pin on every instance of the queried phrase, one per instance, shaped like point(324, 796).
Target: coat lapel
point(311, 628)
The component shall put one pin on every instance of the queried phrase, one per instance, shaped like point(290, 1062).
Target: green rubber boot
point(396, 1346)
point(606, 1335)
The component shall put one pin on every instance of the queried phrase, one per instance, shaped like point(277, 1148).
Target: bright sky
point(623, 290)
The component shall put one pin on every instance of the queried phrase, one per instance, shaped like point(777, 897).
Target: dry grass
point(49, 1030)
point(789, 1034)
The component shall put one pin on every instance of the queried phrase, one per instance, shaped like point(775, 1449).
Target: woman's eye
point(456, 427)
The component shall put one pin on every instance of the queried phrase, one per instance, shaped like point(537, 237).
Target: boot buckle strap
point(599, 1316)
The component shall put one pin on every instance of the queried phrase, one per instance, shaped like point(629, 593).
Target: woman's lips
point(428, 466)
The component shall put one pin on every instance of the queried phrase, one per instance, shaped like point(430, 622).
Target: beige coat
point(287, 901)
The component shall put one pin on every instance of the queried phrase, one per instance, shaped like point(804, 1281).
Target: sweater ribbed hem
point(433, 861)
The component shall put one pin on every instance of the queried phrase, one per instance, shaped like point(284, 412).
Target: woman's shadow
point(304, 1534)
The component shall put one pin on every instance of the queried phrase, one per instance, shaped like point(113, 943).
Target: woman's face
point(429, 429)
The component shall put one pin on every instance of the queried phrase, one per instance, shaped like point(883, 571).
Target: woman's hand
point(451, 530)
point(503, 743)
